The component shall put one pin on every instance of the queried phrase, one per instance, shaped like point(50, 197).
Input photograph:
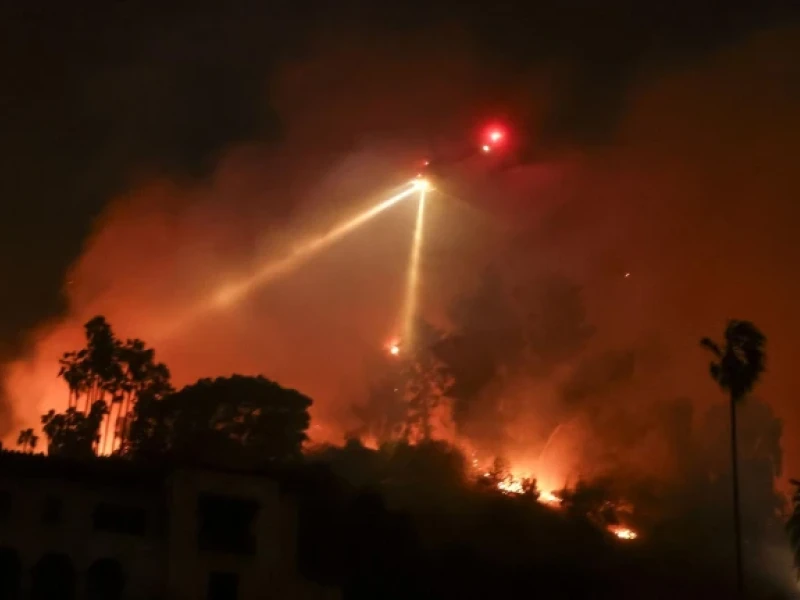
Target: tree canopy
point(247, 418)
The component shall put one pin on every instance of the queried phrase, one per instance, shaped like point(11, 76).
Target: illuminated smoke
point(229, 294)
point(412, 281)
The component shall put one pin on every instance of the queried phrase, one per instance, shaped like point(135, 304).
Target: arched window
point(53, 578)
point(105, 580)
point(10, 574)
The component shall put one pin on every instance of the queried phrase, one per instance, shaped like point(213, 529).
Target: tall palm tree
point(738, 363)
point(27, 440)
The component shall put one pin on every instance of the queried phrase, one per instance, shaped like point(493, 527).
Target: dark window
point(53, 578)
point(52, 510)
point(10, 574)
point(226, 524)
point(105, 580)
point(5, 505)
point(223, 586)
point(115, 518)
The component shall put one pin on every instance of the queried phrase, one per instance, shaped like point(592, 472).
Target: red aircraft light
point(494, 134)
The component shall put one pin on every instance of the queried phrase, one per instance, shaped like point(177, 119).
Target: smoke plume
point(683, 218)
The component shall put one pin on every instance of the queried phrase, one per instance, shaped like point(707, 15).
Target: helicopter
point(495, 146)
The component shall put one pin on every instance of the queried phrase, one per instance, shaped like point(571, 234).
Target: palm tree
point(27, 440)
point(73, 373)
point(738, 363)
point(141, 375)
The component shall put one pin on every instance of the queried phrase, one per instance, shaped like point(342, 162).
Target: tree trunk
point(105, 435)
point(737, 520)
point(126, 408)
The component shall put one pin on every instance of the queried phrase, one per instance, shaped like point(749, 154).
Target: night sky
point(149, 153)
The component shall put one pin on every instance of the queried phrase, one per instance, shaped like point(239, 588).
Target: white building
point(112, 530)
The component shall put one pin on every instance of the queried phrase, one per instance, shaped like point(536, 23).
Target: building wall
point(141, 556)
point(190, 568)
point(164, 562)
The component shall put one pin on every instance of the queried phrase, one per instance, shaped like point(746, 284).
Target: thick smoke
point(355, 123)
point(685, 220)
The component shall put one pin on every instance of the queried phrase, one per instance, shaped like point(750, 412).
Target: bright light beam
point(231, 293)
point(412, 283)
point(304, 251)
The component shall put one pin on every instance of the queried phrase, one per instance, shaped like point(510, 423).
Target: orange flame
point(623, 533)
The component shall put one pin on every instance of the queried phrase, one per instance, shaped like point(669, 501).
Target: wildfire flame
point(623, 533)
point(518, 485)
point(549, 498)
point(511, 486)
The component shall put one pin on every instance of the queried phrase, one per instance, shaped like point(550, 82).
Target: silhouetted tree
point(94, 372)
point(143, 377)
point(384, 415)
point(72, 373)
point(412, 385)
point(738, 363)
point(759, 458)
point(427, 382)
point(102, 367)
point(488, 334)
point(112, 372)
point(27, 440)
point(497, 474)
point(238, 416)
point(73, 433)
point(594, 500)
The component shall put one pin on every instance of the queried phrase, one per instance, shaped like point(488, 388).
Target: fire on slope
point(512, 484)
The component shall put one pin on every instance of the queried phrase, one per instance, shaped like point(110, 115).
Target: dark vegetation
point(412, 518)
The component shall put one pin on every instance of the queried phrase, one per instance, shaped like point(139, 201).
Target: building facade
point(109, 529)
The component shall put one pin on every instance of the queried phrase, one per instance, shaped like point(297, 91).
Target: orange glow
point(194, 234)
point(393, 346)
point(550, 498)
point(495, 136)
point(230, 293)
point(511, 486)
point(623, 533)
point(486, 148)
point(516, 483)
